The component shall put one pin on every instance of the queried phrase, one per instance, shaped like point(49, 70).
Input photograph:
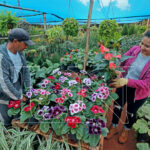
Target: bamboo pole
point(88, 33)
point(44, 18)
point(147, 23)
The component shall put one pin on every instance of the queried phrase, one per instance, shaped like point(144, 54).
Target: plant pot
point(72, 137)
point(32, 121)
point(63, 67)
point(72, 67)
point(142, 137)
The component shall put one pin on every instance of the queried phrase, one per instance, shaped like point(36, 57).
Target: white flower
point(55, 71)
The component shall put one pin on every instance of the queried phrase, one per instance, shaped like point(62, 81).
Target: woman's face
point(145, 46)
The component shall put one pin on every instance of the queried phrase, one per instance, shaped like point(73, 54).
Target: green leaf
point(12, 111)
point(53, 97)
point(113, 95)
point(25, 115)
point(142, 146)
point(94, 140)
point(104, 132)
point(44, 126)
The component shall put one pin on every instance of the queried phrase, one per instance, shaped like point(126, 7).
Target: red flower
point(11, 104)
point(72, 121)
point(77, 120)
point(103, 49)
point(81, 94)
point(17, 105)
point(51, 77)
point(70, 56)
point(78, 79)
point(72, 125)
point(97, 109)
point(67, 54)
point(67, 118)
point(77, 50)
point(112, 65)
point(57, 86)
point(108, 56)
point(14, 104)
point(29, 107)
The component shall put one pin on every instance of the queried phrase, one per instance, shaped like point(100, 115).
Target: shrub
point(107, 31)
point(70, 27)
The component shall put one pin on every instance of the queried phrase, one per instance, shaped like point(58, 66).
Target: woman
point(133, 87)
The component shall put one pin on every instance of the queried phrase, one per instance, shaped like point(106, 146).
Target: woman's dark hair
point(147, 34)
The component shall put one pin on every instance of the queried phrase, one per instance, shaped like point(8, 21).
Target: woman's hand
point(118, 82)
point(24, 99)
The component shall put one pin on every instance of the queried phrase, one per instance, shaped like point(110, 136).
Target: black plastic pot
point(63, 67)
point(72, 137)
point(142, 137)
point(71, 67)
point(32, 121)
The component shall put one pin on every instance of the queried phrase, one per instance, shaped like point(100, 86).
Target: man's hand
point(24, 99)
point(118, 82)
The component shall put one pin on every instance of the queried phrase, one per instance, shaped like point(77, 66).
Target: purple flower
point(51, 110)
point(96, 130)
point(43, 85)
point(29, 94)
point(47, 116)
point(45, 108)
point(93, 99)
point(57, 111)
point(61, 108)
point(56, 91)
point(52, 87)
point(40, 113)
point(101, 123)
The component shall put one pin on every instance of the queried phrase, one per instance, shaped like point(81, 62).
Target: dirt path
point(113, 144)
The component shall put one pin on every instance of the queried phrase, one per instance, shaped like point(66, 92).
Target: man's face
point(145, 46)
point(19, 46)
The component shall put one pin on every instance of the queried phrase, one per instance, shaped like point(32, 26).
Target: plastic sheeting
point(123, 11)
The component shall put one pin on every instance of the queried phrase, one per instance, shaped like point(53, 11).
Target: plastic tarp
point(123, 11)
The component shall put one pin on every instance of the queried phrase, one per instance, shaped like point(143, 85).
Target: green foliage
point(141, 29)
point(70, 27)
point(54, 33)
point(24, 25)
point(132, 29)
point(142, 146)
point(7, 21)
point(129, 41)
point(107, 31)
point(125, 29)
point(16, 139)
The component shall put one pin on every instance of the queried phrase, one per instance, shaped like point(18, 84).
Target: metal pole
point(88, 33)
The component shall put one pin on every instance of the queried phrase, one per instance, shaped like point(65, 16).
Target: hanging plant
point(7, 21)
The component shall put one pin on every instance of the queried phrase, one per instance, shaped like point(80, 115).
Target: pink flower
point(103, 49)
point(112, 65)
point(108, 56)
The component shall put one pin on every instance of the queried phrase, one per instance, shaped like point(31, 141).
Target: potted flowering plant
point(70, 104)
point(105, 63)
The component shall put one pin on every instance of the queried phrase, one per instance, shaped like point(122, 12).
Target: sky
point(78, 9)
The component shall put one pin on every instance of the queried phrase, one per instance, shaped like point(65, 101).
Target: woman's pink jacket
point(142, 85)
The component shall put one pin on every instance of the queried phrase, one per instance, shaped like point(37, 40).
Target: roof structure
point(123, 11)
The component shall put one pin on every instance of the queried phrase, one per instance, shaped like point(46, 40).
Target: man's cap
point(21, 35)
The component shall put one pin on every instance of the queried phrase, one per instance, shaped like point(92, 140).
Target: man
point(14, 74)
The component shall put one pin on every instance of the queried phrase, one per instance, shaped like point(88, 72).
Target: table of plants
point(70, 102)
